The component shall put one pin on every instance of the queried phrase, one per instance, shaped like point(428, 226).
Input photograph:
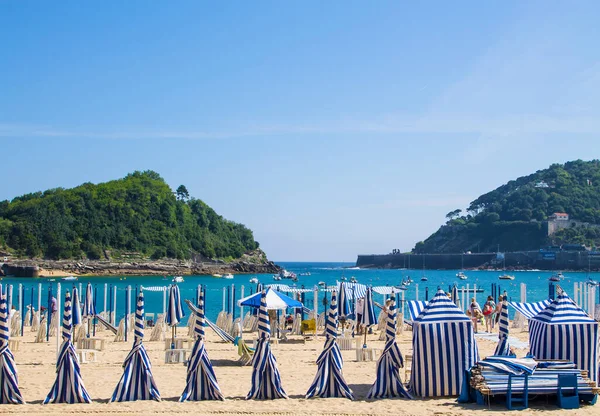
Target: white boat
point(177, 279)
point(228, 276)
point(69, 278)
point(461, 276)
point(591, 282)
point(353, 280)
point(409, 280)
point(424, 279)
point(321, 283)
point(217, 275)
point(506, 277)
point(556, 277)
point(254, 280)
point(277, 278)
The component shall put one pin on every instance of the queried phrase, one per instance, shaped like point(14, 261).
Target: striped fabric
point(388, 383)
point(137, 381)
point(385, 290)
point(368, 314)
point(529, 310)
point(174, 309)
point(503, 348)
point(9, 382)
point(76, 308)
point(266, 381)
point(344, 304)
point(329, 380)
point(287, 288)
point(201, 381)
point(444, 348)
point(454, 295)
point(155, 288)
point(221, 333)
point(563, 331)
point(415, 307)
point(68, 386)
point(354, 290)
point(89, 309)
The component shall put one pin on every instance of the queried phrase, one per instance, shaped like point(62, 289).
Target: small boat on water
point(228, 276)
point(52, 280)
point(409, 280)
point(217, 275)
point(506, 277)
point(277, 278)
point(321, 284)
point(591, 282)
point(556, 277)
point(305, 274)
point(69, 278)
point(177, 279)
point(461, 276)
point(254, 280)
point(424, 279)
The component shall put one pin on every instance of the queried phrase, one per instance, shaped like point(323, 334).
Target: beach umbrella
point(454, 295)
point(329, 380)
point(503, 348)
point(201, 382)
point(368, 314)
point(76, 307)
point(174, 312)
point(137, 381)
point(388, 383)
point(89, 310)
point(68, 386)
point(266, 381)
point(9, 383)
point(343, 305)
point(273, 300)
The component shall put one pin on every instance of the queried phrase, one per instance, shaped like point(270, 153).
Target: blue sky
point(329, 128)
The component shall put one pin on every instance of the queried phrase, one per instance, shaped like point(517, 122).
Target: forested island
point(137, 220)
point(551, 207)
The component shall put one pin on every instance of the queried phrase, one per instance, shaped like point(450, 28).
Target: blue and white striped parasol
point(266, 381)
point(68, 386)
point(89, 310)
point(9, 382)
point(201, 382)
point(388, 383)
point(76, 308)
point(368, 314)
point(503, 348)
point(137, 381)
point(174, 311)
point(344, 303)
point(329, 380)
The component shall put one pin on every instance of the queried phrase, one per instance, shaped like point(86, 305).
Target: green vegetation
point(138, 215)
point(513, 215)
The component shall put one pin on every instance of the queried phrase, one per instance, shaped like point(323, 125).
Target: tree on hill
point(182, 193)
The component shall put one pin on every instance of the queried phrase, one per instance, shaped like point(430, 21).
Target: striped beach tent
point(9, 382)
point(89, 309)
point(503, 348)
point(329, 380)
point(564, 331)
point(68, 386)
point(444, 348)
point(415, 307)
point(529, 310)
point(137, 381)
point(344, 303)
point(201, 381)
point(353, 290)
point(388, 383)
point(266, 381)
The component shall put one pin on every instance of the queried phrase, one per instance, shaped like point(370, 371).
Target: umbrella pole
point(365, 341)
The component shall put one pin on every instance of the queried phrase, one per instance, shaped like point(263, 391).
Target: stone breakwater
point(45, 268)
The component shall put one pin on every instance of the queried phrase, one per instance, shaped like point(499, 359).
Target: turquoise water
point(537, 284)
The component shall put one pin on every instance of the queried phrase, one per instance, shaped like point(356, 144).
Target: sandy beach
point(296, 360)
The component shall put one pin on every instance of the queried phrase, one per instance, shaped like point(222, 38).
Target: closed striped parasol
point(9, 382)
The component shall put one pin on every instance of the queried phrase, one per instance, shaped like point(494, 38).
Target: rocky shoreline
point(48, 268)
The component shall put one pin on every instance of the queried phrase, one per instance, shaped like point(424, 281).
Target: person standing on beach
point(360, 304)
point(488, 313)
point(475, 313)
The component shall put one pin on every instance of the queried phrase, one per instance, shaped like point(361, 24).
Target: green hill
point(137, 216)
point(514, 215)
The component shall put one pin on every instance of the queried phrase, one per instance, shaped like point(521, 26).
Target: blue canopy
point(274, 300)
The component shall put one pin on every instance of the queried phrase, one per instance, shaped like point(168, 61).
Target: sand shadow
point(226, 363)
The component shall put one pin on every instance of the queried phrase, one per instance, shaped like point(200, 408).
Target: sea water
point(218, 288)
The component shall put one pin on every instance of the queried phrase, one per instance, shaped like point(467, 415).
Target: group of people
point(490, 314)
